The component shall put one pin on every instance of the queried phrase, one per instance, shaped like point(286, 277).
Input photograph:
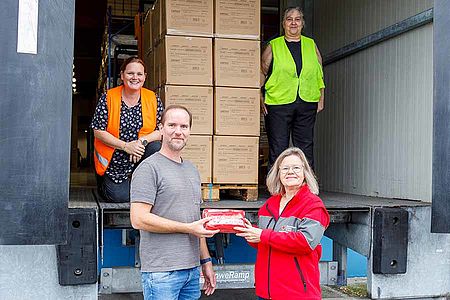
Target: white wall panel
point(375, 135)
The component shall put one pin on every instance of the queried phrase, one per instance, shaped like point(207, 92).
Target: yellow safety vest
point(283, 83)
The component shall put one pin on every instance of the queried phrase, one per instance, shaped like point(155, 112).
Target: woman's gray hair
point(273, 181)
point(289, 9)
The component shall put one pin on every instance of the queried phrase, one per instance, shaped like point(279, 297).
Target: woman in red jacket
point(290, 227)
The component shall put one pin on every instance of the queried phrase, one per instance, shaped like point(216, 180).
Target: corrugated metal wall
point(375, 135)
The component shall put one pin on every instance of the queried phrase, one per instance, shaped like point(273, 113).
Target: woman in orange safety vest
point(125, 125)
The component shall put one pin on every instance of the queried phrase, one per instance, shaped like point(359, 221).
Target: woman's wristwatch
point(144, 142)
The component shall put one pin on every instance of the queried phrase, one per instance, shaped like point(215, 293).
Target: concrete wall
point(30, 273)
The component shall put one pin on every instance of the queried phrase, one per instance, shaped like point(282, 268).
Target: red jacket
point(287, 263)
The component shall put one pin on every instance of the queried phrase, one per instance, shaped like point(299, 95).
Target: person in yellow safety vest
point(125, 125)
point(292, 77)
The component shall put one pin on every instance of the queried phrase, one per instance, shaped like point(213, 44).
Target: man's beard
point(176, 147)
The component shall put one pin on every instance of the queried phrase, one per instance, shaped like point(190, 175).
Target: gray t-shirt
point(174, 190)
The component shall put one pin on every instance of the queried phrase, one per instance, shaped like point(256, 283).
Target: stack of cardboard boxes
point(205, 55)
point(236, 91)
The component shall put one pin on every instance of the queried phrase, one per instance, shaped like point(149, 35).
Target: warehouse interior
point(92, 22)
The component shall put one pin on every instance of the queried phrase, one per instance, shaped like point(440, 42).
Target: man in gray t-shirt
point(165, 206)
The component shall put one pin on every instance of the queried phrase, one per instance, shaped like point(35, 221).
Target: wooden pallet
point(217, 192)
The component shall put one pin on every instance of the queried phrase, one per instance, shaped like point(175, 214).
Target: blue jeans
point(172, 285)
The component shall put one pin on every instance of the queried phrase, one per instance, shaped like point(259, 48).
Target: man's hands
point(197, 228)
point(250, 233)
point(210, 278)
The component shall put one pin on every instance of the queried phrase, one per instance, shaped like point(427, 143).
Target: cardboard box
point(235, 160)
point(186, 60)
point(237, 63)
point(187, 17)
point(147, 40)
point(156, 22)
point(140, 45)
point(157, 62)
point(198, 99)
point(198, 150)
point(237, 19)
point(150, 81)
point(236, 111)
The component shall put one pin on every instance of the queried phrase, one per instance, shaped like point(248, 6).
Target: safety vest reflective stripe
point(101, 159)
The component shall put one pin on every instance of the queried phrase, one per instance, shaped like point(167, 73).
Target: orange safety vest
point(102, 152)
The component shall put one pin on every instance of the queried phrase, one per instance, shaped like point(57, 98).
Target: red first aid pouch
point(224, 219)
